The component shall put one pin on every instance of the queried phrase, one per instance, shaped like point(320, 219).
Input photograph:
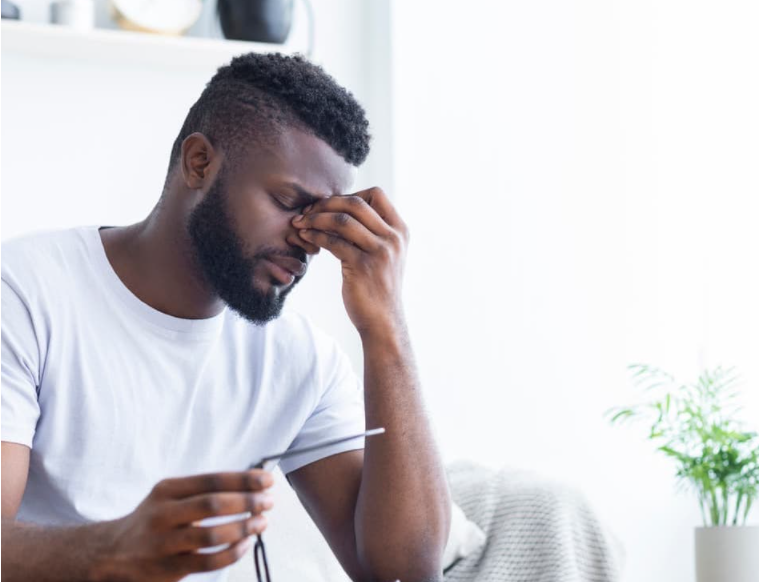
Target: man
point(145, 368)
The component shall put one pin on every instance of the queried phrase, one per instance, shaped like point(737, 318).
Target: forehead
point(295, 156)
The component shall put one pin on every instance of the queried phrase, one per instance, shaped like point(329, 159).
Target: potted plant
point(694, 424)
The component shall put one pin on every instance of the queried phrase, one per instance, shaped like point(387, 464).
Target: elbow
point(417, 562)
point(423, 571)
point(412, 553)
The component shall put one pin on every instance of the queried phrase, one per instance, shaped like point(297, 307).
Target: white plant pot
point(727, 553)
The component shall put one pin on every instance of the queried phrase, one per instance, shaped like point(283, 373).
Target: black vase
point(256, 20)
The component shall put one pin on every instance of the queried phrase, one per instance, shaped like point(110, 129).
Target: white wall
point(581, 183)
point(88, 142)
point(578, 180)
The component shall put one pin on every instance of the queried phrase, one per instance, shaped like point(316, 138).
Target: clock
point(173, 17)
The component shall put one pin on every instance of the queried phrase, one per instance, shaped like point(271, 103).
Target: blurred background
point(580, 179)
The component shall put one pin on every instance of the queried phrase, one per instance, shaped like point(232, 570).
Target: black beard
point(220, 255)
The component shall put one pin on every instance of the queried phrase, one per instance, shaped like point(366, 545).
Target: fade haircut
point(257, 95)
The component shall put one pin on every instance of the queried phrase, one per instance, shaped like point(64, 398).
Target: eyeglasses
point(268, 463)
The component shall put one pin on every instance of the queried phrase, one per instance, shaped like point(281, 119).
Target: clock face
point(166, 16)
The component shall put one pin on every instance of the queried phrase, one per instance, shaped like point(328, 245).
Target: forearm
point(50, 554)
point(403, 507)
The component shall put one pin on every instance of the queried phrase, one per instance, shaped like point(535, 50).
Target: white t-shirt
point(112, 395)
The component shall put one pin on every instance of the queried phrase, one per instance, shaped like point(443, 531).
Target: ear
point(199, 161)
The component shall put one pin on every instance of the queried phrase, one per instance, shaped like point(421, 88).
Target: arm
point(59, 553)
point(67, 552)
point(386, 511)
point(155, 542)
point(403, 508)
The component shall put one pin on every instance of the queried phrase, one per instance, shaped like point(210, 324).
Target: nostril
point(304, 248)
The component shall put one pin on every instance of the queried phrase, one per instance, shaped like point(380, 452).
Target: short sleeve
point(19, 370)
point(339, 413)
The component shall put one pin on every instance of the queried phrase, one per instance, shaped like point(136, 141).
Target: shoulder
point(36, 255)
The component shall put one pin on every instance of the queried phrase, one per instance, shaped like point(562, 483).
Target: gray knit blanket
point(538, 530)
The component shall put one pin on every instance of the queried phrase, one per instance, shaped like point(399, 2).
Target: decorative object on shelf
point(256, 20)
point(79, 14)
point(171, 17)
point(10, 11)
point(714, 455)
point(115, 48)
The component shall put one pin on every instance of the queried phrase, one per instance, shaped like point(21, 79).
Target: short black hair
point(256, 95)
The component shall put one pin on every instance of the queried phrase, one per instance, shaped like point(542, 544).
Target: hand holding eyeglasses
point(159, 541)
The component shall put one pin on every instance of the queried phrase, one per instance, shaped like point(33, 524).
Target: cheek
point(258, 223)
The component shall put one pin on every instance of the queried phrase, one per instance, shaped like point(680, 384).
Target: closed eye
point(290, 207)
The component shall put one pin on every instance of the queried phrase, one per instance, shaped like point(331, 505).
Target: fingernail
point(309, 207)
point(263, 481)
point(298, 218)
point(305, 233)
point(256, 524)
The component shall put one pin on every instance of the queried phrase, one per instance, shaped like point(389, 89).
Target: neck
point(155, 260)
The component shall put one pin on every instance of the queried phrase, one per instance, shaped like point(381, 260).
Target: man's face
point(242, 232)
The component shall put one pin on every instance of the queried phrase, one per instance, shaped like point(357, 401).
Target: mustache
point(298, 254)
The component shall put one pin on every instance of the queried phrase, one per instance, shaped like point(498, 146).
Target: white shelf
point(118, 47)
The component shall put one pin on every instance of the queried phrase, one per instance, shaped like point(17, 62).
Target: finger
point(178, 488)
point(193, 562)
point(199, 507)
point(356, 207)
point(192, 537)
point(341, 248)
point(342, 224)
point(377, 199)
